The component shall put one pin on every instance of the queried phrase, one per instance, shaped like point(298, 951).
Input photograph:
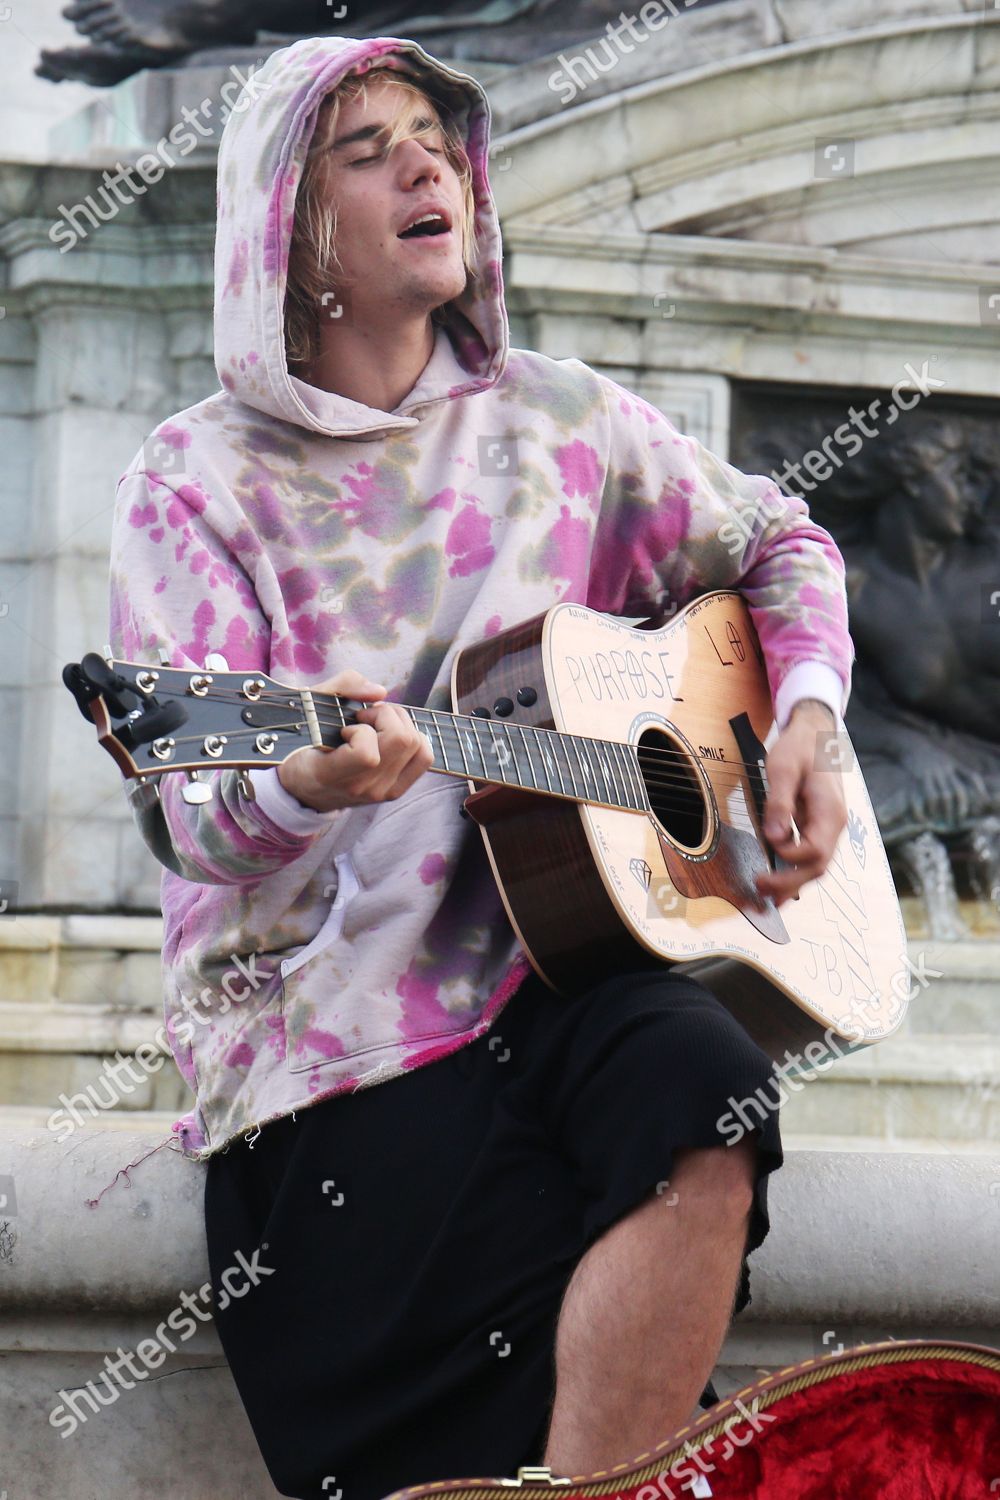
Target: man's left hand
point(801, 787)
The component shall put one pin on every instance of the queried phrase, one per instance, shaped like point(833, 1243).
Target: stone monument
point(125, 36)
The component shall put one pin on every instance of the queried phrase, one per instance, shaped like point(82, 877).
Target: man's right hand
point(382, 755)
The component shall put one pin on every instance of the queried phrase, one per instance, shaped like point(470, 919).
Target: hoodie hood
point(261, 160)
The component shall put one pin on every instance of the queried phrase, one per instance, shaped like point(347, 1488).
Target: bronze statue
point(126, 35)
point(916, 514)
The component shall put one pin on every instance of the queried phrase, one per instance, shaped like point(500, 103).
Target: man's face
point(376, 196)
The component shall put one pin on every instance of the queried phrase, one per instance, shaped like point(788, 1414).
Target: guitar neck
point(511, 754)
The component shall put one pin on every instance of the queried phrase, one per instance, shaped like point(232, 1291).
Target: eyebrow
point(366, 132)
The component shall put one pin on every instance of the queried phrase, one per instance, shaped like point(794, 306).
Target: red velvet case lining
point(927, 1428)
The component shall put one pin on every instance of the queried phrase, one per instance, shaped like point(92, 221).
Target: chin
point(443, 289)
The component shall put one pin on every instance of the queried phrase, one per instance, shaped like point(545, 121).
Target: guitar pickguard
point(730, 873)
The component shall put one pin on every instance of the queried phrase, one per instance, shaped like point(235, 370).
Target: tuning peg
point(246, 786)
point(195, 790)
point(164, 656)
point(107, 653)
point(216, 662)
point(144, 790)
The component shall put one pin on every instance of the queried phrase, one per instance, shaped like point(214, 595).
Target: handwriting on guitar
point(622, 675)
point(831, 965)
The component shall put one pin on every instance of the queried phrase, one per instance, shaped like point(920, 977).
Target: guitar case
point(908, 1420)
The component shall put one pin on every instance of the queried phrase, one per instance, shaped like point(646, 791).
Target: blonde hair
point(313, 253)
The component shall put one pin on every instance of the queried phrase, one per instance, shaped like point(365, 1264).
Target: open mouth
point(432, 226)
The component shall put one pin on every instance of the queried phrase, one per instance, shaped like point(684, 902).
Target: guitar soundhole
point(675, 792)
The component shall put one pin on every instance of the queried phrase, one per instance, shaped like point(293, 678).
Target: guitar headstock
point(154, 719)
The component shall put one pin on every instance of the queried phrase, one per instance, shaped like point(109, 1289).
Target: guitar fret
point(635, 775)
point(549, 765)
point(470, 742)
point(626, 760)
point(479, 746)
point(621, 788)
point(461, 748)
point(459, 760)
point(504, 751)
point(437, 726)
point(584, 787)
point(549, 760)
point(610, 791)
point(525, 740)
point(626, 782)
point(560, 755)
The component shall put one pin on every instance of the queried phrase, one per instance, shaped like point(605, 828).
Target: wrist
point(307, 791)
point(814, 710)
point(291, 780)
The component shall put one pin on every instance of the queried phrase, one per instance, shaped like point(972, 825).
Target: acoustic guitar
point(618, 775)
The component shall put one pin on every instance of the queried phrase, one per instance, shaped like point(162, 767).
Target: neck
point(373, 363)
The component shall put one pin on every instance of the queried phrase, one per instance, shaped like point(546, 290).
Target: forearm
point(232, 839)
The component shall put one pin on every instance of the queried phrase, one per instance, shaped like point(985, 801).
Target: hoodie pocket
point(341, 995)
point(347, 889)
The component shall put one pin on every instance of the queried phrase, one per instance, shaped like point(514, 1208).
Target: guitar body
point(593, 890)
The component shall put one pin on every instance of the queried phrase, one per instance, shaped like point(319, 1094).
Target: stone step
point(962, 993)
point(114, 960)
point(155, 1122)
point(77, 990)
point(92, 1060)
point(908, 1088)
point(869, 1145)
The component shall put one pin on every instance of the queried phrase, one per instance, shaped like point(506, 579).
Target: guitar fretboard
point(539, 760)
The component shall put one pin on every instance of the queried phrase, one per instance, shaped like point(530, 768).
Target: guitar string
point(664, 787)
point(676, 756)
point(673, 755)
point(663, 803)
point(649, 776)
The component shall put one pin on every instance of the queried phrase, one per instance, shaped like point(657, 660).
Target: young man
point(493, 1225)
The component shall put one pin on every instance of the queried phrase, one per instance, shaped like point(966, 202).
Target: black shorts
point(419, 1235)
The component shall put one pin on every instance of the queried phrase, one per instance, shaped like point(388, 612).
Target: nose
point(417, 163)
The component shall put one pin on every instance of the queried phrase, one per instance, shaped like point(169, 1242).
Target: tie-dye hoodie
point(296, 533)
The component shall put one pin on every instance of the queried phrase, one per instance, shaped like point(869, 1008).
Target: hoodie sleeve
point(676, 522)
point(175, 583)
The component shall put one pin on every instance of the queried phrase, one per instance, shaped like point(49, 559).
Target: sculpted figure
point(916, 514)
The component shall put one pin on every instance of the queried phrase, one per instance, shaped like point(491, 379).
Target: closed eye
point(434, 150)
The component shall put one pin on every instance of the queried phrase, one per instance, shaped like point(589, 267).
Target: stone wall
point(78, 1283)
